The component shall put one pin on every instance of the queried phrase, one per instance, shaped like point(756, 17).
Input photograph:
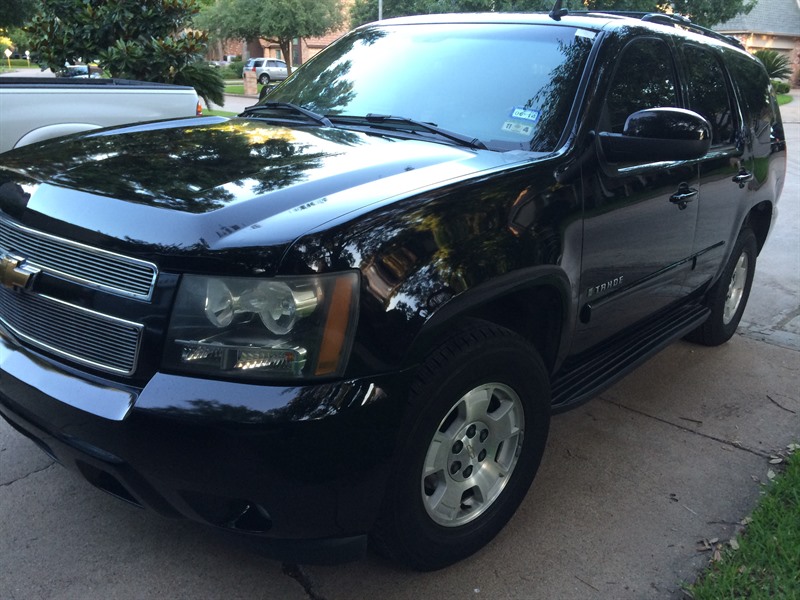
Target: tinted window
point(644, 77)
point(753, 84)
point(708, 93)
point(510, 86)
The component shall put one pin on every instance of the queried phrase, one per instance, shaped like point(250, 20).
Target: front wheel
point(480, 416)
point(727, 298)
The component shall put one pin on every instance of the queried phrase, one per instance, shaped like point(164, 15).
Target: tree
point(364, 11)
point(134, 39)
point(20, 39)
point(702, 12)
point(710, 12)
point(14, 13)
point(277, 21)
point(776, 64)
point(5, 42)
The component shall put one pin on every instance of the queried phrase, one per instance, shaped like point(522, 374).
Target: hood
point(199, 182)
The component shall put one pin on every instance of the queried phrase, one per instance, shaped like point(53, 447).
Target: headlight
point(288, 327)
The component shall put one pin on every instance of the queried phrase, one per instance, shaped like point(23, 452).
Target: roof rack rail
point(682, 21)
point(673, 20)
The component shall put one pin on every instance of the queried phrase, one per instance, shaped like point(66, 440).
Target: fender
point(486, 301)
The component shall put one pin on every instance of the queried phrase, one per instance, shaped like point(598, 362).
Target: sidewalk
point(791, 112)
point(235, 103)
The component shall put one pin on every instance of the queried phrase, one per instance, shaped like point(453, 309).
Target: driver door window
point(644, 78)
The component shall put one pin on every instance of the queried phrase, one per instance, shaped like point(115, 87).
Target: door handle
point(742, 177)
point(683, 196)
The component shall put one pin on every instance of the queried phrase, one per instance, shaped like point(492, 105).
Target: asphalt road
point(631, 485)
point(28, 73)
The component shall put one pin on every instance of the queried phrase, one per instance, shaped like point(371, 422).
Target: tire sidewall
point(511, 363)
point(717, 330)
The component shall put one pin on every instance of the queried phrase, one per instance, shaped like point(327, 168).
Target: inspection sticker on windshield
point(526, 114)
point(518, 128)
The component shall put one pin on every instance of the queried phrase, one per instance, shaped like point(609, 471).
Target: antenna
point(559, 12)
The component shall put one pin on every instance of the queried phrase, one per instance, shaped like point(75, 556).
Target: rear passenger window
point(644, 78)
point(753, 84)
point(708, 93)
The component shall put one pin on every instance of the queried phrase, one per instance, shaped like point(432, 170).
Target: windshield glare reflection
point(510, 86)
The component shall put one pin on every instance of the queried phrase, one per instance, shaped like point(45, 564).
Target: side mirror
point(658, 134)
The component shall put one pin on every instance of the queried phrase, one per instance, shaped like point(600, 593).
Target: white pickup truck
point(34, 109)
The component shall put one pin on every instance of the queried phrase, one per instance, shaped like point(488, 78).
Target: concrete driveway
point(632, 486)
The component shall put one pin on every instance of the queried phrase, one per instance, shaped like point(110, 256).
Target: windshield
point(509, 86)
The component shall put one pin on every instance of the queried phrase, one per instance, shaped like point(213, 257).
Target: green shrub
point(233, 70)
point(776, 64)
point(780, 87)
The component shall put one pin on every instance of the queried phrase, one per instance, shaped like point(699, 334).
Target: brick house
point(773, 25)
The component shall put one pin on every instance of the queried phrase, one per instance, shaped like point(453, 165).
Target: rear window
point(753, 84)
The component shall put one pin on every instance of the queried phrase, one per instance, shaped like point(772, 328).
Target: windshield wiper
point(393, 122)
point(288, 106)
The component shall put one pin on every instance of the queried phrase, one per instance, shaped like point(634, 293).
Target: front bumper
point(300, 468)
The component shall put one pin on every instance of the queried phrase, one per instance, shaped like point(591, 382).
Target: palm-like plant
point(777, 64)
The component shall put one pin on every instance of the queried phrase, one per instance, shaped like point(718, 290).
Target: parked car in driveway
point(346, 315)
point(266, 69)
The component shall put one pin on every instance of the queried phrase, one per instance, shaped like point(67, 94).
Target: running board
point(580, 380)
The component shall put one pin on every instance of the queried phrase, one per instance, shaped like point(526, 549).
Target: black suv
point(348, 313)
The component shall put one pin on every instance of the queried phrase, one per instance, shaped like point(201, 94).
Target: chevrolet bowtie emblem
point(14, 273)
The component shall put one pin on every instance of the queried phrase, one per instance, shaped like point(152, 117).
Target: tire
point(263, 79)
point(479, 418)
point(727, 298)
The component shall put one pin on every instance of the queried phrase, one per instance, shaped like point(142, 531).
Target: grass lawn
point(238, 88)
point(784, 99)
point(18, 63)
point(764, 562)
point(234, 88)
point(218, 113)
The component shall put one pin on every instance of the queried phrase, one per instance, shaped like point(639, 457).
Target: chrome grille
point(100, 269)
point(70, 331)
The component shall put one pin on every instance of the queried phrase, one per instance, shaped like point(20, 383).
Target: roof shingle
point(777, 17)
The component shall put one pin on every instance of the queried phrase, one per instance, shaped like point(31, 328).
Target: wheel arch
point(759, 219)
point(536, 308)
